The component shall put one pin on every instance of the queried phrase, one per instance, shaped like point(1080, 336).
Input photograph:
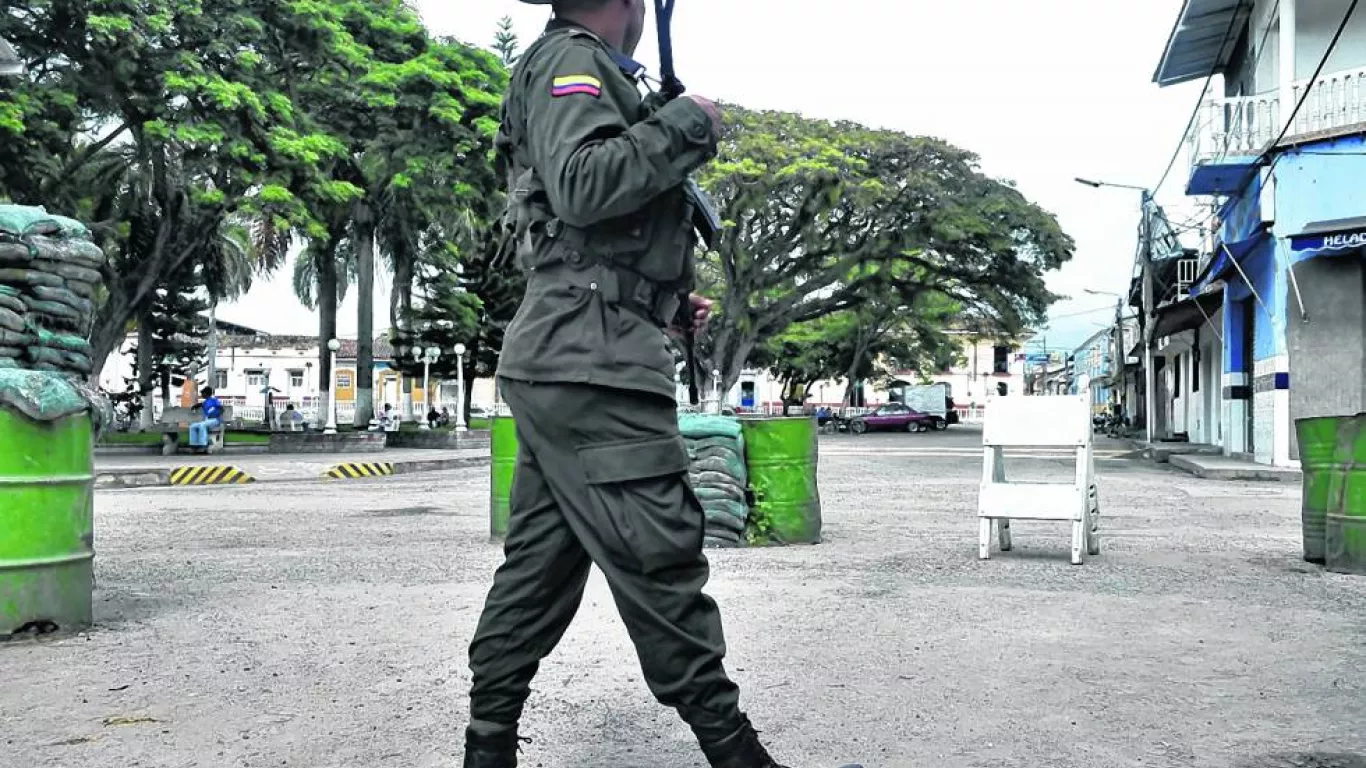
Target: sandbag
point(715, 452)
point(11, 320)
point(28, 277)
point(733, 467)
point(11, 352)
point(84, 290)
point(735, 509)
point(706, 494)
point(703, 425)
point(701, 443)
point(14, 254)
point(76, 252)
point(78, 362)
point(8, 362)
point(63, 342)
point(721, 538)
point(71, 272)
point(12, 303)
point(12, 339)
point(34, 219)
point(715, 480)
point(40, 354)
point(724, 521)
point(64, 296)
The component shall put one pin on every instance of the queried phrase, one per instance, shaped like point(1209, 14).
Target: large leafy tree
point(817, 213)
point(158, 122)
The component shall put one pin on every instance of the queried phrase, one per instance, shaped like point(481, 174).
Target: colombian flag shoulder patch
point(568, 85)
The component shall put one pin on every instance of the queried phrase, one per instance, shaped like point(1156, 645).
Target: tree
point(815, 213)
point(157, 122)
point(505, 42)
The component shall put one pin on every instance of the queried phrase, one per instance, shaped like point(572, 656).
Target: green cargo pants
point(601, 478)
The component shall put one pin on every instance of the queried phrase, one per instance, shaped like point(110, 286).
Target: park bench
point(174, 421)
point(1060, 421)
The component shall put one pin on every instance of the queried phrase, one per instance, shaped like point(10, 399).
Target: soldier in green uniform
point(604, 229)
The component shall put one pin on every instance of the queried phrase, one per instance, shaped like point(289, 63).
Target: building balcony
point(1231, 131)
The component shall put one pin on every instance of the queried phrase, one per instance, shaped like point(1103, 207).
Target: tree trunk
point(327, 325)
point(145, 366)
point(365, 322)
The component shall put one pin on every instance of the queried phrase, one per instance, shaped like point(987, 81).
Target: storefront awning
point(1186, 315)
point(1225, 256)
point(1202, 41)
point(1341, 237)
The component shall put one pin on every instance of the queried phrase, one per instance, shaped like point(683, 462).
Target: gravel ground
point(325, 625)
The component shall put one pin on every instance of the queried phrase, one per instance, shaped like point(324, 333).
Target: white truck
point(933, 399)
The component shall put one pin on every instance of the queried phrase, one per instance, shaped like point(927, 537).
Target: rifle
point(706, 221)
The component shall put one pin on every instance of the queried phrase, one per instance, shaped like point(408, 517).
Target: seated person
point(213, 412)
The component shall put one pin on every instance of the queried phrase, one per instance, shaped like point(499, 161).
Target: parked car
point(892, 417)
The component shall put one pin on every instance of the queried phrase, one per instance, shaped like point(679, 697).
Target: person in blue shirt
point(213, 411)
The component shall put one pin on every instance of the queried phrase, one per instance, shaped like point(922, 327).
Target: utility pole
point(1149, 375)
point(1117, 367)
point(213, 343)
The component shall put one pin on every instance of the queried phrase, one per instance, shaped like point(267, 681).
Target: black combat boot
point(497, 751)
point(744, 750)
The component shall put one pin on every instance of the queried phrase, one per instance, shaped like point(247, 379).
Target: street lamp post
point(460, 425)
point(332, 346)
point(428, 356)
point(1149, 290)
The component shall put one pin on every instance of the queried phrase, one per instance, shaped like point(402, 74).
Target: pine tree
point(505, 42)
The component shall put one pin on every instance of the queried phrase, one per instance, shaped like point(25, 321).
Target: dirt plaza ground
point(326, 625)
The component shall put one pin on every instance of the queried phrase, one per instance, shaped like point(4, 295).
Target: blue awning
point(1224, 257)
point(1329, 238)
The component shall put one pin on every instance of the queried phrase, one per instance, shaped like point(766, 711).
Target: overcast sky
point(1043, 91)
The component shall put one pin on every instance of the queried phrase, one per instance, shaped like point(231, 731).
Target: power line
point(1195, 113)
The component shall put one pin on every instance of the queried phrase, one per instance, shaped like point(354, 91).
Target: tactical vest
point(647, 255)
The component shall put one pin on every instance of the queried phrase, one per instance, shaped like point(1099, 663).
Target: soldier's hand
point(711, 111)
point(701, 311)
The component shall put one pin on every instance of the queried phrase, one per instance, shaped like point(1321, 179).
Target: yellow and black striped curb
point(357, 470)
point(208, 475)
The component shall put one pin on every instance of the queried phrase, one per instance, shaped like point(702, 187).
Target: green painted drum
point(1345, 522)
point(46, 522)
point(782, 456)
point(503, 446)
point(1318, 439)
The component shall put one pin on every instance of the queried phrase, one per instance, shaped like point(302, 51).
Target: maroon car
point(892, 417)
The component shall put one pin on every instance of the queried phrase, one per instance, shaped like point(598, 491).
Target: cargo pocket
point(649, 517)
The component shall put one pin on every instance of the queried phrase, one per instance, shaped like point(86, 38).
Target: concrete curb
point(1253, 472)
point(113, 479)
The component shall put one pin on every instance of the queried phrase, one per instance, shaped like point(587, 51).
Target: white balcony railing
point(1246, 125)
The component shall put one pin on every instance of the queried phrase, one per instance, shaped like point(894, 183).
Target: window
point(220, 379)
point(343, 379)
point(1195, 371)
point(256, 379)
point(296, 379)
point(1000, 360)
point(1003, 389)
point(1176, 377)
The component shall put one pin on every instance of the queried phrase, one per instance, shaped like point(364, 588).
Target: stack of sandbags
point(49, 279)
point(718, 475)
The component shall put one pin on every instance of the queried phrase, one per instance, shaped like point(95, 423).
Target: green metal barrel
point(782, 457)
point(46, 522)
point(1318, 439)
point(1345, 522)
point(503, 446)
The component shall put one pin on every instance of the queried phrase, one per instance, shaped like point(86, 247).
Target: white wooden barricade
point(1062, 421)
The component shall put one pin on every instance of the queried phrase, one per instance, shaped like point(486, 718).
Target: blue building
point(1266, 323)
